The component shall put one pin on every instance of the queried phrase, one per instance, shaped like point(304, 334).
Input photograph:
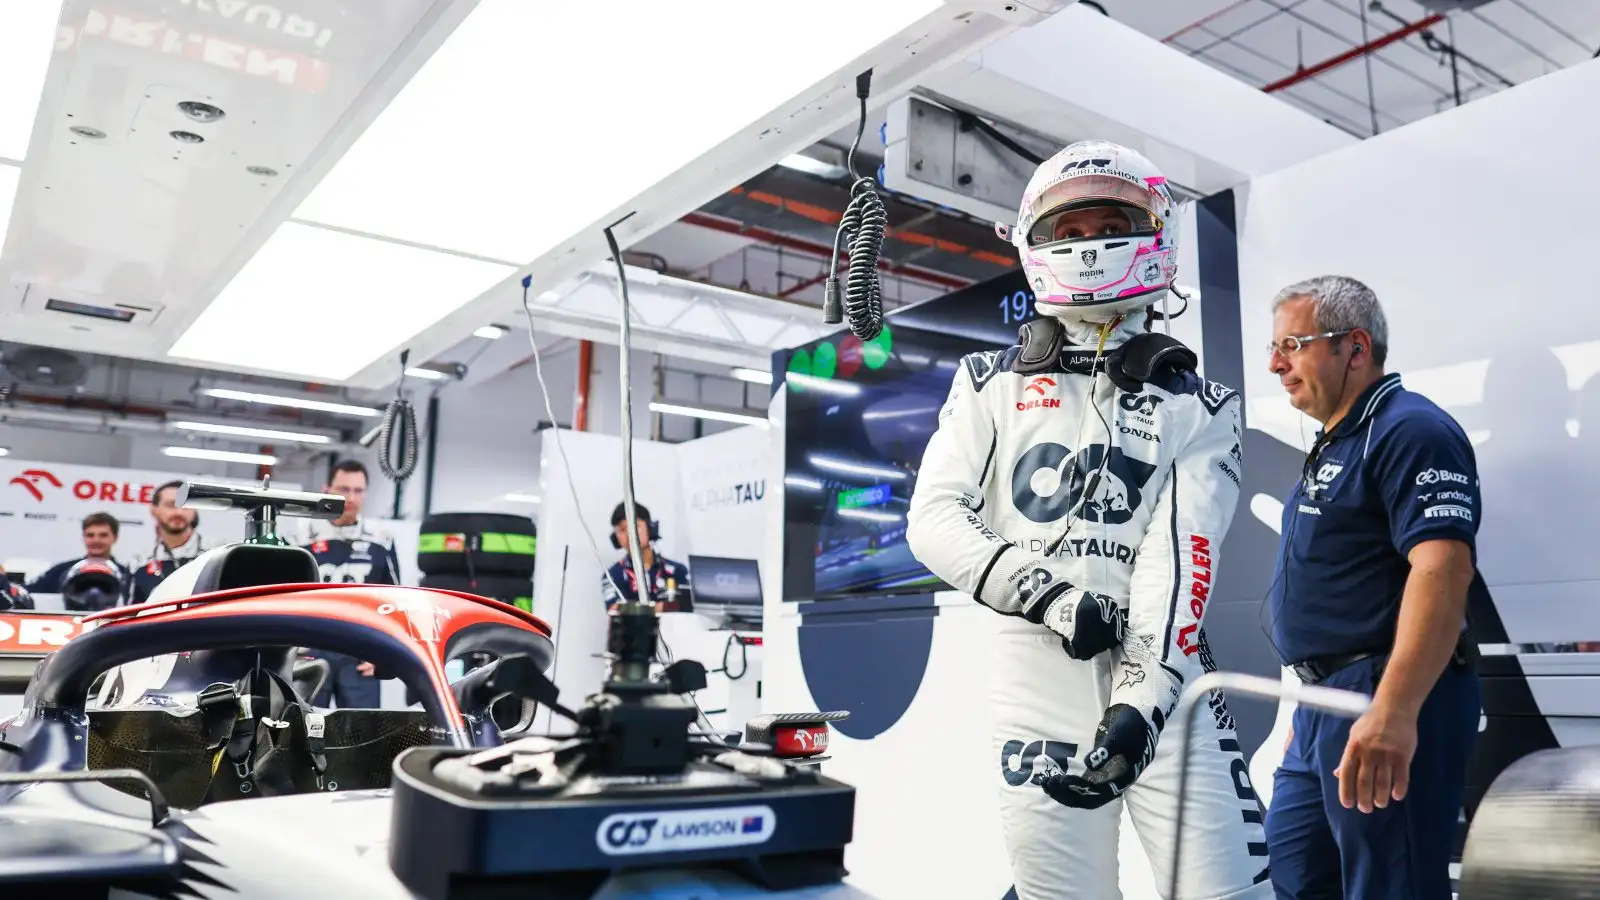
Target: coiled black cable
point(862, 229)
point(397, 433)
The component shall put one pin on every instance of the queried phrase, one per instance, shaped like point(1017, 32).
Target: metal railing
point(1348, 704)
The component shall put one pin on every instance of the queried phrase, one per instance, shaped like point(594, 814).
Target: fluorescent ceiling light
point(802, 163)
point(523, 498)
point(344, 409)
point(487, 99)
point(491, 332)
point(429, 374)
point(5, 451)
point(823, 385)
point(800, 481)
point(754, 376)
point(375, 295)
point(713, 414)
point(256, 459)
point(871, 515)
point(26, 42)
point(269, 434)
point(849, 468)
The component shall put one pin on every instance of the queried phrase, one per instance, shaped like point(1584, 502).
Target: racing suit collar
point(1086, 334)
point(1366, 404)
point(187, 550)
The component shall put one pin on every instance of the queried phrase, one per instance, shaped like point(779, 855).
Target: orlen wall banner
point(42, 506)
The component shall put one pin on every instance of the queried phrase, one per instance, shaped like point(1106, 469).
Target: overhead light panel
point(510, 192)
point(268, 434)
point(26, 42)
point(426, 374)
point(343, 409)
point(5, 451)
point(375, 295)
point(254, 459)
point(754, 376)
point(491, 332)
point(802, 163)
point(716, 415)
point(523, 498)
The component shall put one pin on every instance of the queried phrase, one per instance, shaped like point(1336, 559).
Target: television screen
point(859, 417)
point(727, 589)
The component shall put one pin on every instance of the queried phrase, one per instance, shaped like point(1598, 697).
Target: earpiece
point(1359, 348)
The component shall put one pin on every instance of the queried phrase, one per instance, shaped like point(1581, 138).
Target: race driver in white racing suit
point(1080, 484)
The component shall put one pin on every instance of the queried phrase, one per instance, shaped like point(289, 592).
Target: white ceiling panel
point(322, 304)
point(538, 118)
point(27, 37)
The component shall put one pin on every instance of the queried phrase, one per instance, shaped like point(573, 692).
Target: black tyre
point(477, 544)
point(517, 591)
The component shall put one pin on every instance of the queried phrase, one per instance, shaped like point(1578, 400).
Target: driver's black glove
point(1124, 744)
point(1040, 591)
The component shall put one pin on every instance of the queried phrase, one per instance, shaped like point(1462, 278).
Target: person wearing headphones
point(1371, 592)
point(668, 585)
point(177, 542)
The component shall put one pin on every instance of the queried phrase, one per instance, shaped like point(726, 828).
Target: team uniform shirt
point(54, 578)
point(1395, 472)
point(151, 570)
point(668, 580)
point(352, 554)
point(992, 514)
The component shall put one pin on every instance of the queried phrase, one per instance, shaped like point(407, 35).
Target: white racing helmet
point(1097, 232)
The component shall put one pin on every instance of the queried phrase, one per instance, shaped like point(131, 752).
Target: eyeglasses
point(1294, 344)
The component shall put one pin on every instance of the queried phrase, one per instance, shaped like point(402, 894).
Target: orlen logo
point(35, 481)
point(807, 741)
point(679, 831)
point(35, 633)
point(1199, 592)
point(30, 480)
point(1039, 386)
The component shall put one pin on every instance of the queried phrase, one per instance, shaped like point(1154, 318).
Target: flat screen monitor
point(858, 419)
point(725, 588)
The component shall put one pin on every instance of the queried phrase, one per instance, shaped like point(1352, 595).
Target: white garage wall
point(1474, 228)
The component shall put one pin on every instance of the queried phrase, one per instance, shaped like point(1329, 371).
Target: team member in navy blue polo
point(1370, 595)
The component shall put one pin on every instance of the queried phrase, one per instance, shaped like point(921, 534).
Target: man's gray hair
point(1341, 303)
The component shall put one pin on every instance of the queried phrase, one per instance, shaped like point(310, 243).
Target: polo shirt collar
point(1367, 404)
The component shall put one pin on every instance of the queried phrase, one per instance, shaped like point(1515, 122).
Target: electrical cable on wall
point(861, 230)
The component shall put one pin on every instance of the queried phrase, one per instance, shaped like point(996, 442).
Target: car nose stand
point(631, 788)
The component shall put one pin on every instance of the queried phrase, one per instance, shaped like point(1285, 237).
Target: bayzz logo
point(1038, 385)
point(31, 479)
point(1434, 476)
point(1088, 257)
point(1049, 481)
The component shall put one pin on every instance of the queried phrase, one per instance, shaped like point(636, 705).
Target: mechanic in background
point(348, 551)
point(177, 542)
point(669, 579)
point(100, 532)
point(1371, 595)
point(12, 595)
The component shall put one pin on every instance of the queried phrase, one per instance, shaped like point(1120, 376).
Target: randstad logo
point(679, 831)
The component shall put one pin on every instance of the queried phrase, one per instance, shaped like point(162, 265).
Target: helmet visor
point(1092, 206)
